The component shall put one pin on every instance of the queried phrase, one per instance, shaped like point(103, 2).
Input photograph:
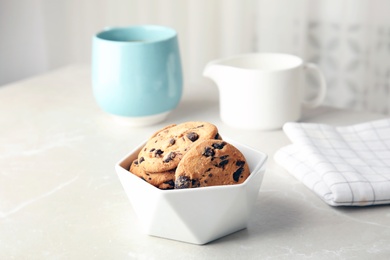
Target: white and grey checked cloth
point(345, 166)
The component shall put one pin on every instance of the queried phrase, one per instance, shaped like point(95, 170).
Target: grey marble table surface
point(60, 197)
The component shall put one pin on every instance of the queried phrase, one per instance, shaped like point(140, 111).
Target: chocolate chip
point(208, 151)
point(169, 157)
point(172, 141)
point(170, 183)
point(141, 159)
point(151, 150)
point(192, 136)
point(135, 162)
point(237, 174)
point(158, 152)
point(240, 163)
point(224, 157)
point(219, 145)
point(217, 136)
point(223, 163)
point(182, 182)
point(195, 183)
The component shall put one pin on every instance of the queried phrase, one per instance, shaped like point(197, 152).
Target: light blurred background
point(348, 39)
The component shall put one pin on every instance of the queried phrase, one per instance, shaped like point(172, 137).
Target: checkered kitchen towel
point(342, 165)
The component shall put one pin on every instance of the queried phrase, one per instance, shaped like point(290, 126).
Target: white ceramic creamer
point(263, 90)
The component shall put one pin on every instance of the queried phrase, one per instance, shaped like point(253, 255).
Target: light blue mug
point(136, 72)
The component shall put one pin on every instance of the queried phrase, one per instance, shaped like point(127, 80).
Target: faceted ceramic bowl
point(197, 215)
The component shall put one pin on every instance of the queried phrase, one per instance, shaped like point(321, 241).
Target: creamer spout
point(210, 70)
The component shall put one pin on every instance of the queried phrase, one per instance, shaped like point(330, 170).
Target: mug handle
point(316, 101)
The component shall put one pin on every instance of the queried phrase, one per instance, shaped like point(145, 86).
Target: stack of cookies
point(189, 155)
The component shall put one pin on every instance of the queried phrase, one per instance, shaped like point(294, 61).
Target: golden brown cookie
point(162, 180)
point(164, 150)
point(210, 163)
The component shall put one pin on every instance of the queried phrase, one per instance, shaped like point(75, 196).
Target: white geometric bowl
point(197, 215)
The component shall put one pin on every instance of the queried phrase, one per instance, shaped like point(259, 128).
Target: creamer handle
point(319, 98)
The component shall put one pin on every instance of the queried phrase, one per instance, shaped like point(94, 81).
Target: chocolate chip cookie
point(161, 180)
point(164, 150)
point(210, 163)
